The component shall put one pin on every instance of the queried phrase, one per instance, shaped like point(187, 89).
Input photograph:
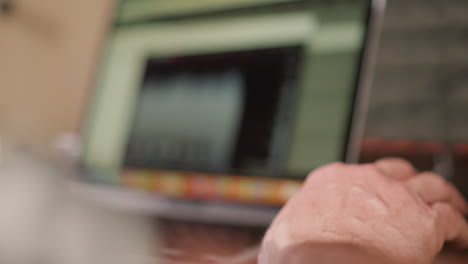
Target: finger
point(451, 225)
point(432, 188)
point(396, 168)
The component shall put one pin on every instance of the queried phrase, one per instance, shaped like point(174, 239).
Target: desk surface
point(195, 243)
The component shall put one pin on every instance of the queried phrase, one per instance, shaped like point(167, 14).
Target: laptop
point(216, 111)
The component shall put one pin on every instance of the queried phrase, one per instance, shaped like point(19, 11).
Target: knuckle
point(332, 167)
point(335, 165)
point(451, 186)
point(433, 175)
point(440, 212)
point(445, 211)
point(394, 162)
point(436, 180)
point(324, 172)
point(399, 161)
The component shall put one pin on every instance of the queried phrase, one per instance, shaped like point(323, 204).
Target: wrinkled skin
point(383, 212)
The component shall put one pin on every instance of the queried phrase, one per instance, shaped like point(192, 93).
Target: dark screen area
point(265, 78)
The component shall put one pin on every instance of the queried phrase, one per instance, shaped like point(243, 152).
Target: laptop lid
point(217, 111)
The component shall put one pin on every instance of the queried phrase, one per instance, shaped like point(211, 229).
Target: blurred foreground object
point(48, 52)
point(41, 222)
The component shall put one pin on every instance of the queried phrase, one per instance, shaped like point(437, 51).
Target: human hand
point(384, 212)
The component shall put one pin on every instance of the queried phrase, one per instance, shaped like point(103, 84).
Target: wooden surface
point(192, 243)
point(197, 243)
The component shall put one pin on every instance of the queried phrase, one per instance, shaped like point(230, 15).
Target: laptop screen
point(234, 101)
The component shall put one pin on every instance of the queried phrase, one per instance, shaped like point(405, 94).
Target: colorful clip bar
point(202, 186)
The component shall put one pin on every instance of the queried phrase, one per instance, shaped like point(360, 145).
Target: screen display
point(223, 113)
point(234, 101)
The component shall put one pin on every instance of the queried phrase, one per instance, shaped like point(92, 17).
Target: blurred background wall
point(48, 52)
point(424, 45)
point(420, 91)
